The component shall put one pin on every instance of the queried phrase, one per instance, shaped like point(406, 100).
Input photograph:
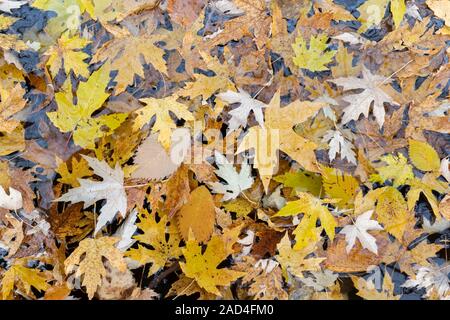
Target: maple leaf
point(240, 206)
point(236, 182)
point(296, 261)
point(372, 94)
point(77, 118)
point(126, 232)
point(204, 86)
point(79, 169)
point(338, 144)
point(68, 53)
point(111, 189)
point(339, 186)
point(247, 104)
point(371, 13)
point(86, 259)
point(397, 170)
point(367, 290)
point(313, 210)
point(164, 248)
point(313, 57)
point(72, 225)
point(434, 279)
point(160, 109)
point(18, 273)
point(125, 52)
point(426, 186)
point(320, 280)
point(344, 63)
point(264, 278)
point(278, 134)
point(359, 229)
point(301, 181)
point(255, 23)
point(203, 266)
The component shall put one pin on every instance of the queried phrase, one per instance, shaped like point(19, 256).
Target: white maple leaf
point(236, 182)
point(126, 232)
point(8, 5)
point(240, 114)
point(359, 230)
point(338, 144)
point(360, 103)
point(431, 278)
point(111, 189)
point(320, 280)
point(13, 201)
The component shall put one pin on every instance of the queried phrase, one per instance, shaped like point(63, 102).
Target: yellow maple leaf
point(430, 182)
point(206, 86)
point(301, 181)
point(154, 234)
point(240, 206)
point(80, 169)
point(367, 290)
point(313, 209)
point(312, 57)
point(203, 266)
point(340, 186)
point(77, 118)
point(371, 13)
point(161, 108)
point(68, 53)
point(278, 134)
point(397, 170)
point(344, 64)
point(19, 274)
point(86, 259)
point(125, 53)
point(295, 261)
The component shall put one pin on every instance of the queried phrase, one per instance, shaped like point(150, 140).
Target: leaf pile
point(231, 149)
